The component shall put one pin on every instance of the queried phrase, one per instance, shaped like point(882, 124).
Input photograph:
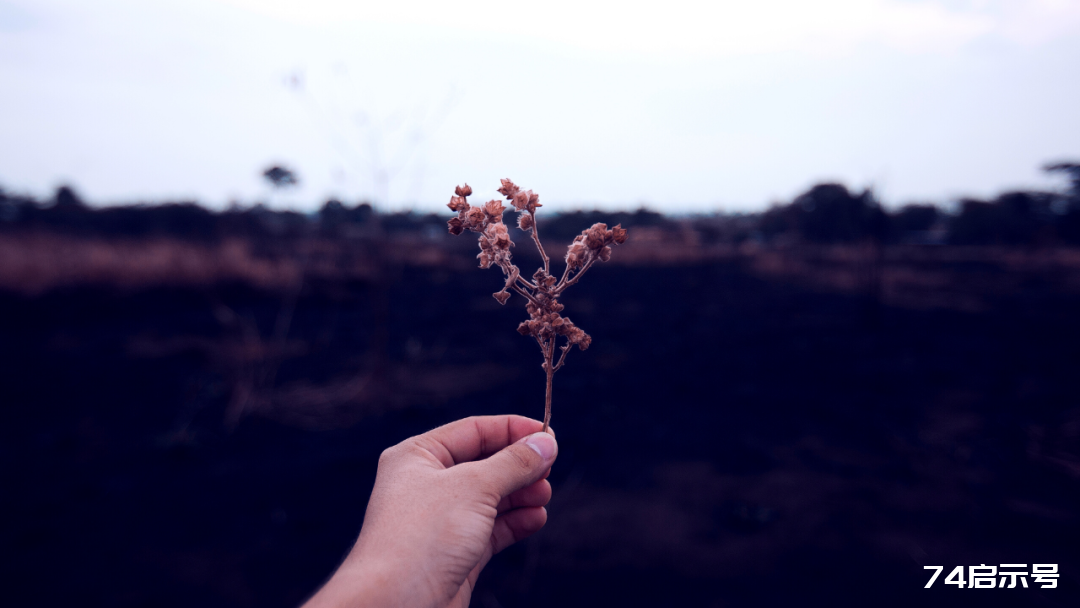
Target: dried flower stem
point(545, 324)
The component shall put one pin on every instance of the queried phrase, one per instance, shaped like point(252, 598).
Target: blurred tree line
point(826, 213)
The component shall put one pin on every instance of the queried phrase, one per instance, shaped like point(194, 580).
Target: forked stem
point(536, 239)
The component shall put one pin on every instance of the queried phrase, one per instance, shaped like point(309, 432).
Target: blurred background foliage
point(814, 401)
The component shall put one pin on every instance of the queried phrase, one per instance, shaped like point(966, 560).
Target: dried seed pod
point(525, 222)
point(494, 209)
point(508, 189)
point(618, 234)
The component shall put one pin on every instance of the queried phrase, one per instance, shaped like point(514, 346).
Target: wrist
point(360, 582)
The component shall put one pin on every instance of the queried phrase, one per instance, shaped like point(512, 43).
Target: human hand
point(443, 503)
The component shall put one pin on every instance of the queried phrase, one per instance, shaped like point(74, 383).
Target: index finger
point(475, 437)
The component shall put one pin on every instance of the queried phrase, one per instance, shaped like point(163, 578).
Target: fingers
point(519, 524)
point(475, 437)
point(537, 494)
point(515, 466)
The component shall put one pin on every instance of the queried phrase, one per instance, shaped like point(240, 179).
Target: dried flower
point(542, 293)
point(494, 209)
point(618, 234)
point(525, 222)
point(508, 189)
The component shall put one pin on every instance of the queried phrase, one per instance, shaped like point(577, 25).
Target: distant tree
point(1071, 171)
point(66, 198)
point(1014, 218)
point(831, 214)
point(828, 213)
point(334, 215)
point(280, 177)
point(1068, 206)
point(915, 218)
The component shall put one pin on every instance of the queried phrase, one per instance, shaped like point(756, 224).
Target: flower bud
point(494, 210)
point(520, 200)
point(457, 203)
point(618, 234)
point(502, 296)
point(508, 189)
point(474, 218)
point(455, 226)
point(594, 237)
point(463, 190)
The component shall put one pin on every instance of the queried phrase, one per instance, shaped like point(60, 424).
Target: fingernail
point(543, 443)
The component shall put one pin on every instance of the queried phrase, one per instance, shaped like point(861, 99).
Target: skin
point(443, 504)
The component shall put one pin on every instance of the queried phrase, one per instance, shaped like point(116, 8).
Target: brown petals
point(474, 218)
point(594, 237)
point(618, 234)
point(502, 296)
point(455, 226)
point(520, 200)
point(584, 340)
point(598, 238)
point(463, 190)
point(457, 203)
point(575, 255)
point(508, 189)
point(496, 236)
point(494, 209)
point(525, 222)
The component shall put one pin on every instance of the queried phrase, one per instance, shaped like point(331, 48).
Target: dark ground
point(730, 439)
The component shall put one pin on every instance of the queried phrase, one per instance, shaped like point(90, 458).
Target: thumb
point(519, 464)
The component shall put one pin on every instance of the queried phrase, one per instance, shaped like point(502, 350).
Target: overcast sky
point(682, 106)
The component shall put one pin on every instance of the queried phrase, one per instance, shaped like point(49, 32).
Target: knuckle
point(386, 458)
point(392, 454)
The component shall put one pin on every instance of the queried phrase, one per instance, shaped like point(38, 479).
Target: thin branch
point(562, 357)
point(526, 294)
point(575, 278)
point(562, 281)
point(512, 273)
point(536, 239)
point(527, 283)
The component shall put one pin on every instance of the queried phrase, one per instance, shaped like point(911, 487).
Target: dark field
point(752, 425)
